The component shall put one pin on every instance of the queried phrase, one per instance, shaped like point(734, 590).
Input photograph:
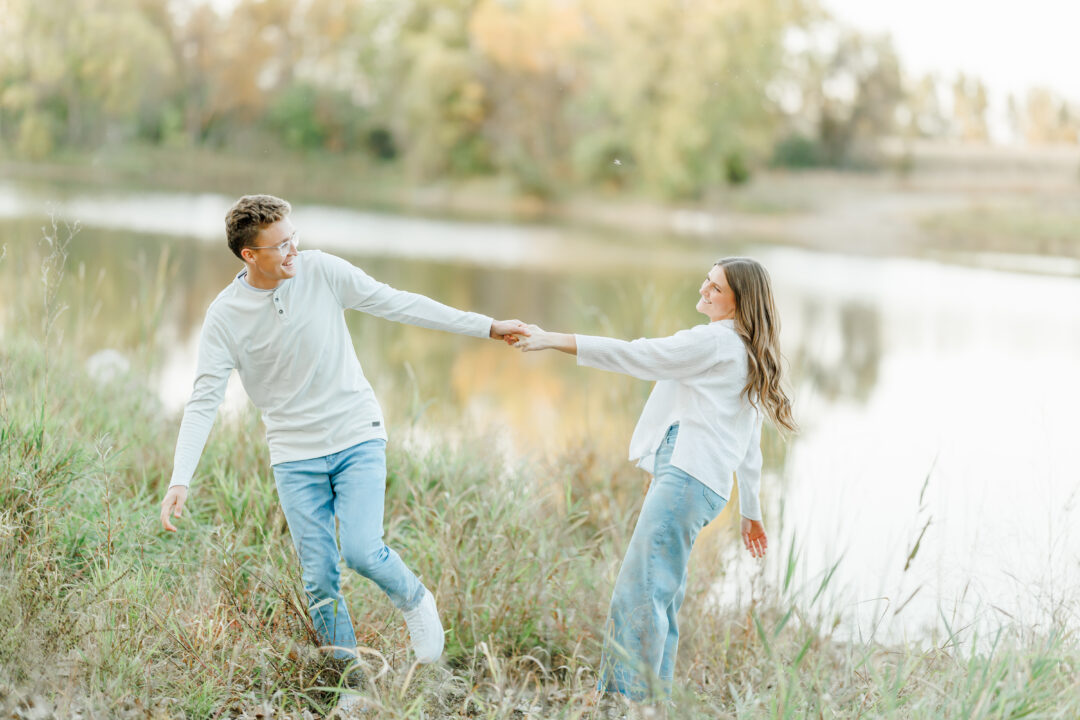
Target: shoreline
point(994, 220)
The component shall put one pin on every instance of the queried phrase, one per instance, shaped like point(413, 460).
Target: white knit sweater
point(700, 375)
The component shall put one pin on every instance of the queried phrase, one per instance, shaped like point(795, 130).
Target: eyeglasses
point(283, 248)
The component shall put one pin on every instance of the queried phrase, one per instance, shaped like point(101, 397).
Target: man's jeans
point(642, 633)
point(348, 485)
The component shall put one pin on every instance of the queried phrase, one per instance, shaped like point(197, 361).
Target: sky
point(1011, 45)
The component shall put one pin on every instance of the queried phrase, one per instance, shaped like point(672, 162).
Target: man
point(281, 325)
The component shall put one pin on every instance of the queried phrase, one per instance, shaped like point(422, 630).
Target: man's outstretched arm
point(357, 290)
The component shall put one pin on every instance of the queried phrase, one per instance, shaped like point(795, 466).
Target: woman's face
point(717, 299)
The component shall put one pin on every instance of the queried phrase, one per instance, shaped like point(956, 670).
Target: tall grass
point(1043, 228)
point(102, 613)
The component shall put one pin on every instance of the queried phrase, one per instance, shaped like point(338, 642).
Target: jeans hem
point(414, 601)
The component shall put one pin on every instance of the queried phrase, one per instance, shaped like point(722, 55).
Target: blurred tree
point(679, 86)
point(969, 110)
point(380, 144)
point(925, 116)
point(228, 66)
point(308, 117)
point(796, 150)
point(1048, 119)
point(670, 96)
point(236, 64)
point(1014, 117)
point(77, 71)
point(37, 135)
point(528, 50)
point(861, 90)
point(1068, 123)
point(848, 89)
point(424, 84)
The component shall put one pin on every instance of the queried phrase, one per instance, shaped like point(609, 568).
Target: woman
point(702, 422)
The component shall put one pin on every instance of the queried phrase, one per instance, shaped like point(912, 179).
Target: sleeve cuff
point(587, 347)
point(485, 331)
point(749, 507)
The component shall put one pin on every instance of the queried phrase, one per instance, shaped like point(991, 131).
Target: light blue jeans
point(348, 485)
point(642, 633)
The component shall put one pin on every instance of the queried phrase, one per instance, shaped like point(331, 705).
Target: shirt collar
point(241, 278)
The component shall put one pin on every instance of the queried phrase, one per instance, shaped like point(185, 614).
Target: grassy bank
point(102, 612)
point(1010, 227)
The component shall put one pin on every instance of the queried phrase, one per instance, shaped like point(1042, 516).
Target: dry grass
point(1011, 227)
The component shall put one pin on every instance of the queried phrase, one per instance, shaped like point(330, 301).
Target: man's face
point(267, 264)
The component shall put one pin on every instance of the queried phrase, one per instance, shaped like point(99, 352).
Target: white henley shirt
point(295, 357)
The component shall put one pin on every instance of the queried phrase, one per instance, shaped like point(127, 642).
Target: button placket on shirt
point(280, 306)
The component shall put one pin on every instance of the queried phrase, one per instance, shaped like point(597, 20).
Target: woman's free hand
point(753, 536)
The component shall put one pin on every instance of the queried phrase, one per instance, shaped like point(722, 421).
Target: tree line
point(669, 96)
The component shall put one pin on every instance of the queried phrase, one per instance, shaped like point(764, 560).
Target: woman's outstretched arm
point(684, 354)
point(538, 339)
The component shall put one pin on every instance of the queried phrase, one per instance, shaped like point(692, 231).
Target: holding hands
point(536, 338)
point(507, 330)
point(531, 337)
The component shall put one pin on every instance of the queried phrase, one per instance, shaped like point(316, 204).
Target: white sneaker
point(425, 630)
point(350, 705)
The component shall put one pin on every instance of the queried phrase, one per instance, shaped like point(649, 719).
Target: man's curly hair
point(248, 216)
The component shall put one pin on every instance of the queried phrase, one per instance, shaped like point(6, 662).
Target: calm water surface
point(934, 399)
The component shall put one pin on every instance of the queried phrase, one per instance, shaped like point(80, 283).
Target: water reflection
point(841, 349)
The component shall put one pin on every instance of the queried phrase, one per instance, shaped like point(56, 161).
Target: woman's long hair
point(758, 325)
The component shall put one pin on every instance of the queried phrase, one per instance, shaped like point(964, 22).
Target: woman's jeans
point(348, 485)
point(642, 634)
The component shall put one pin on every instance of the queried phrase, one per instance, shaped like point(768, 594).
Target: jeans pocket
point(714, 500)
